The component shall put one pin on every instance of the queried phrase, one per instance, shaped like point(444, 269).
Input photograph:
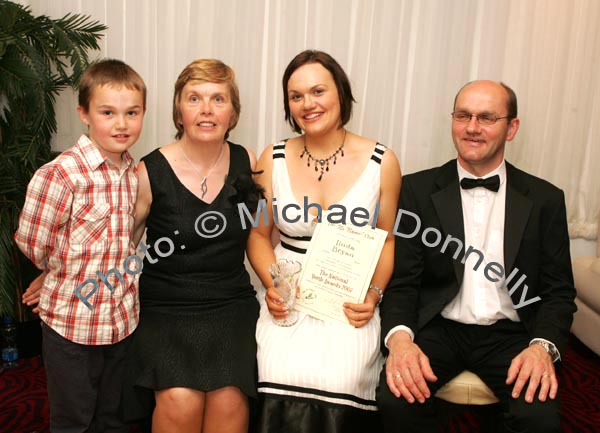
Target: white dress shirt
point(481, 301)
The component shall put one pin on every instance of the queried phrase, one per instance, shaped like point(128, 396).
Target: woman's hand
point(31, 296)
point(275, 304)
point(359, 314)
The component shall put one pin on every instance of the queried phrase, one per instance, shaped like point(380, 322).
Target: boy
point(76, 226)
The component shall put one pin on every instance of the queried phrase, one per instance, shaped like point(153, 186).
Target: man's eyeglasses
point(483, 119)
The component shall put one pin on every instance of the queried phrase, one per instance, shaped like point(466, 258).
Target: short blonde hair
point(109, 72)
point(207, 71)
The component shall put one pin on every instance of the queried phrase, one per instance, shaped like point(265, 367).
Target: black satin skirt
point(287, 414)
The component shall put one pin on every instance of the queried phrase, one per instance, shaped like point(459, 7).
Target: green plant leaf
point(39, 56)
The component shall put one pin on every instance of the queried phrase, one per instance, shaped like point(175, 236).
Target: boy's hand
point(32, 294)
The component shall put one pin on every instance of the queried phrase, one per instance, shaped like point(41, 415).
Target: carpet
point(24, 405)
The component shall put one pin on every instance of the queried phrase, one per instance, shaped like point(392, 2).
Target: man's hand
point(31, 296)
point(407, 369)
point(535, 365)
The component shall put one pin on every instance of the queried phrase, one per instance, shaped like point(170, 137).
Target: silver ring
point(397, 375)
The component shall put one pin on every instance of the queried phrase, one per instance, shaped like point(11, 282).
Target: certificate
point(338, 268)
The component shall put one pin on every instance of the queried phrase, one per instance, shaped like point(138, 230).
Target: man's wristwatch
point(550, 348)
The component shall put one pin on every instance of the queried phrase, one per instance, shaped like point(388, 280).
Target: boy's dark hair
point(339, 77)
point(109, 72)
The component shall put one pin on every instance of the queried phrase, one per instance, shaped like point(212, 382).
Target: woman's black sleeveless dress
point(198, 310)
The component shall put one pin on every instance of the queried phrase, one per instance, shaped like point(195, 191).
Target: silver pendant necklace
point(203, 186)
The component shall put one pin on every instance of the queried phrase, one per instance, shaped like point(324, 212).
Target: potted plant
point(39, 56)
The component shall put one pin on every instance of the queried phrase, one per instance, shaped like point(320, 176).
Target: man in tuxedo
point(482, 277)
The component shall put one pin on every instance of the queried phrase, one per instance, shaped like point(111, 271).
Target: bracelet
point(379, 292)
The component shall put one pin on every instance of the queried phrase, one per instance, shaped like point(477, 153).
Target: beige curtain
point(406, 60)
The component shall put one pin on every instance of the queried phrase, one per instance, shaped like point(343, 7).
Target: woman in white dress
point(318, 376)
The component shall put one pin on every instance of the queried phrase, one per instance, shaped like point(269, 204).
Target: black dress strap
point(239, 159)
point(378, 152)
point(279, 150)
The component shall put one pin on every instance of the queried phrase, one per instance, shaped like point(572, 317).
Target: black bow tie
point(492, 183)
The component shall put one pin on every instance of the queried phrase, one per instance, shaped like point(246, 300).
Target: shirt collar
point(94, 157)
point(500, 171)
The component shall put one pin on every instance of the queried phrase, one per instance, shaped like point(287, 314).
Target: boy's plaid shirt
point(76, 225)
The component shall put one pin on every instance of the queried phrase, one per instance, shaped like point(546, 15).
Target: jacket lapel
point(517, 209)
point(448, 206)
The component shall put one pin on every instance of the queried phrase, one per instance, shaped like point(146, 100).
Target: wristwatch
point(548, 347)
point(379, 292)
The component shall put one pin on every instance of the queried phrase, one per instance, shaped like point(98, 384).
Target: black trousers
point(84, 384)
point(486, 351)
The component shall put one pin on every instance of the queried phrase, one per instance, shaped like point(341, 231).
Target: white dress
point(319, 370)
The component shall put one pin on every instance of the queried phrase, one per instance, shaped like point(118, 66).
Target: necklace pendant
point(322, 163)
point(203, 186)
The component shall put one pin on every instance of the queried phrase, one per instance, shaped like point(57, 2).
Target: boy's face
point(114, 117)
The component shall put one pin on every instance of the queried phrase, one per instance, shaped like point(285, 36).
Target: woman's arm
point(259, 248)
point(252, 158)
point(390, 180)
point(142, 204)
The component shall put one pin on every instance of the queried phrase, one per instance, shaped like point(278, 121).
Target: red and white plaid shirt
point(76, 225)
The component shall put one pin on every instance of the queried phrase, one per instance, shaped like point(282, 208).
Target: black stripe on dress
point(313, 391)
point(279, 151)
point(293, 248)
point(378, 153)
point(297, 238)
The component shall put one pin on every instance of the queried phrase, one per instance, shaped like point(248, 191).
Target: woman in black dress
point(194, 352)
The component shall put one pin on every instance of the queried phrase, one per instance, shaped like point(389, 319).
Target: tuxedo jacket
point(536, 242)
